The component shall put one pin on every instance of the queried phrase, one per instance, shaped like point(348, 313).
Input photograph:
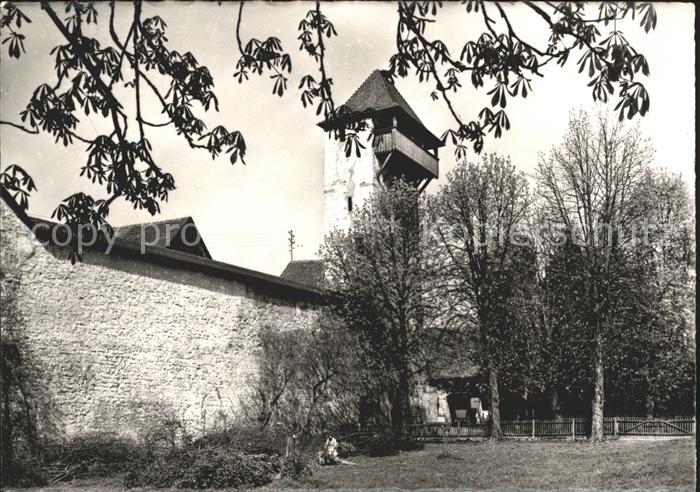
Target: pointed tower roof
point(377, 93)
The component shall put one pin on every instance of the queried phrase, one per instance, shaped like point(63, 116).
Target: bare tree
point(589, 189)
point(477, 216)
point(306, 379)
point(381, 276)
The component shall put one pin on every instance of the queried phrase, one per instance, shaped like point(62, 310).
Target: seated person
point(329, 455)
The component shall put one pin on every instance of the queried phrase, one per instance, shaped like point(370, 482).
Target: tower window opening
point(349, 204)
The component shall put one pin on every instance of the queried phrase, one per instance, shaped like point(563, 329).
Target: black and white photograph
point(352, 245)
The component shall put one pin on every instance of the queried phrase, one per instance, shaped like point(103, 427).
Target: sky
point(244, 211)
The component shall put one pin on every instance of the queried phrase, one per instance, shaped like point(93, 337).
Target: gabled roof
point(48, 231)
point(166, 234)
point(307, 272)
point(132, 232)
point(377, 93)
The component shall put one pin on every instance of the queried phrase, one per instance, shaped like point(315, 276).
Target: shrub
point(165, 435)
point(297, 468)
point(380, 444)
point(24, 472)
point(249, 440)
point(346, 449)
point(383, 445)
point(254, 441)
point(409, 445)
point(190, 467)
point(91, 455)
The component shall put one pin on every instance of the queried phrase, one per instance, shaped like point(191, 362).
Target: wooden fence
point(569, 428)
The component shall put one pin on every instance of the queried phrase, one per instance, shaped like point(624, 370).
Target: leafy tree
point(507, 62)
point(541, 350)
point(562, 344)
point(649, 307)
point(479, 212)
point(656, 357)
point(89, 72)
point(589, 187)
point(381, 279)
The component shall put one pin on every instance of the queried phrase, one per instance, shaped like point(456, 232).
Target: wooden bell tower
point(401, 147)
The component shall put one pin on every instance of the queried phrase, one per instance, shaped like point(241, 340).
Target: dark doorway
point(460, 410)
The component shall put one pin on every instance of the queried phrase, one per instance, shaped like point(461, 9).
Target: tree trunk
point(400, 407)
point(496, 432)
point(556, 410)
point(649, 405)
point(598, 391)
point(649, 401)
point(396, 408)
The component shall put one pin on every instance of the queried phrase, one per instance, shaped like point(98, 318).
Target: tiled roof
point(170, 257)
point(308, 272)
point(377, 93)
point(132, 232)
point(166, 234)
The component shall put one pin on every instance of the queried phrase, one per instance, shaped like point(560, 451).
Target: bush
point(23, 473)
point(380, 444)
point(297, 468)
point(254, 441)
point(91, 455)
point(204, 468)
point(383, 445)
point(245, 439)
point(166, 457)
point(165, 435)
point(346, 449)
point(409, 445)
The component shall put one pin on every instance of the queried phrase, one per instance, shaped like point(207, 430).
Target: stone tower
point(401, 146)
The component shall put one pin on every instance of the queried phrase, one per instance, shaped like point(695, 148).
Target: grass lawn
point(518, 465)
point(511, 465)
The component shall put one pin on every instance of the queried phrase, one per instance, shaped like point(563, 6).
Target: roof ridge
point(176, 219)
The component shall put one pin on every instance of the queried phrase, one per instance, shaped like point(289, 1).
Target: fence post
point(533, 428)
point(616, 429)
point(573, 428)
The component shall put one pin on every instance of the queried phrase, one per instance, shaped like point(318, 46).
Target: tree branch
point(424, 42)
point(322, 56)
point(34, 131)
point(137, 86)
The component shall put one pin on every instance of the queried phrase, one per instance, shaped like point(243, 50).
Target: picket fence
point(570, 428)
